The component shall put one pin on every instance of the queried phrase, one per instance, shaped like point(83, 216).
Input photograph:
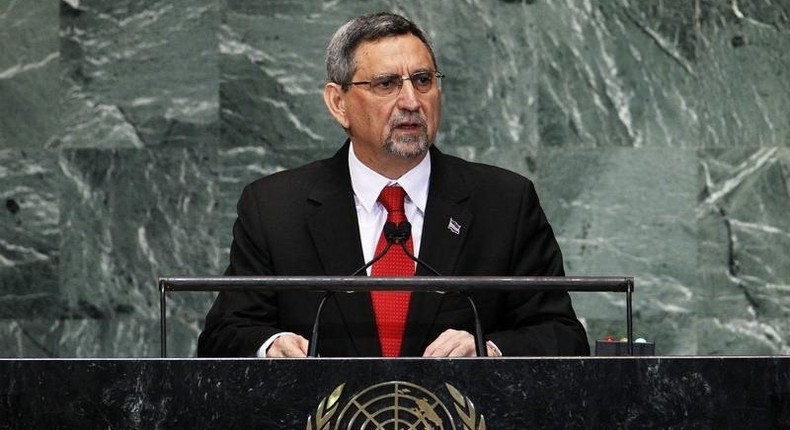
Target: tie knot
point(392, 199)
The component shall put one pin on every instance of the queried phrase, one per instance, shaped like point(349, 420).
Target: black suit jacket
point(303, 222)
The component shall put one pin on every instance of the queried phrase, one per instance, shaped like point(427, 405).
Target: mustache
point(408, 118)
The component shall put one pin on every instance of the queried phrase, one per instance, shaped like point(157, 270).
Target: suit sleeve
point(538, 324)
point(239, 322)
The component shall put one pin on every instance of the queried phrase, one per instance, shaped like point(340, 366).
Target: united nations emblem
point(395, 405)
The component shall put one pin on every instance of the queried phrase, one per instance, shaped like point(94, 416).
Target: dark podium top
point(475, 393)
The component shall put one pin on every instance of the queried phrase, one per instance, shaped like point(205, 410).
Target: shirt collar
point(367, 183)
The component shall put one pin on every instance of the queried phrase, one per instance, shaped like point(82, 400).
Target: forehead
point(395, 54)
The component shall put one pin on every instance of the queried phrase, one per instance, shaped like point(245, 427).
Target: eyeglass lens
point(388, 84)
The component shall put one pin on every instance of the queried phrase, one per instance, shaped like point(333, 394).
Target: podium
point(499, 393)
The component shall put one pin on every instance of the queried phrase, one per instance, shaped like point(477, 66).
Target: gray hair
point(340, 64)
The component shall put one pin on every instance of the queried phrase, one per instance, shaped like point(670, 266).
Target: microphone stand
point(312, 349)
point(397, 234)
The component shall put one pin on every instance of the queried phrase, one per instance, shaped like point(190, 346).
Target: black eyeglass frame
point(400, 79)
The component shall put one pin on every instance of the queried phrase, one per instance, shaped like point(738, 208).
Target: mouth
point(409, 126)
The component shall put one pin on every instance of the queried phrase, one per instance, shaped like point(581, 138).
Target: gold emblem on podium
point(395, 405)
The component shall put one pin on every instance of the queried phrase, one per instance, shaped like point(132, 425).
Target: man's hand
point(288, 345)
point(452, 343)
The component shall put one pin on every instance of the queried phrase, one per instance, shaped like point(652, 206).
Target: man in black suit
point(324, 219)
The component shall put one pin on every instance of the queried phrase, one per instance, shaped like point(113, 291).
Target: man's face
point(402, 125)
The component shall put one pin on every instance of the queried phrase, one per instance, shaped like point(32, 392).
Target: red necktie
point(391, 307)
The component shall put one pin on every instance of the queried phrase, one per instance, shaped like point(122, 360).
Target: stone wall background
point(657, 133)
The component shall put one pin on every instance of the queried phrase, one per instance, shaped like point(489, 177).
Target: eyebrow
point(419, 70)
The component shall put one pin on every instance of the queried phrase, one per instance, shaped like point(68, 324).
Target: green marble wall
point(657, 132)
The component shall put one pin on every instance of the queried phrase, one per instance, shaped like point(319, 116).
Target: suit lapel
point(334, 229)
point(447, 220)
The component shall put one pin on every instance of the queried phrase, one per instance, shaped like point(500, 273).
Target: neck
point(390, 166)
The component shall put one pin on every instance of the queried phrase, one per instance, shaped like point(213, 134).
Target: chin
point(408, 148)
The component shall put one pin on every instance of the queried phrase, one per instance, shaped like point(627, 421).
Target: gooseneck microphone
point(312, 348)
point(391, 233)
point(391, 236)
point(398, 234)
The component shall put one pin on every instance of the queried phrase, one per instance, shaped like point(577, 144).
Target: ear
point(335, 100)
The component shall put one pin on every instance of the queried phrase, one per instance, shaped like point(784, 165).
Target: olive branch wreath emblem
point(323, 414)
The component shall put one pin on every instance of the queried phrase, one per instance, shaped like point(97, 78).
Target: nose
point(407, 96)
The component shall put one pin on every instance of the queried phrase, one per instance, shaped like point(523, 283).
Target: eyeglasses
point(387, 85)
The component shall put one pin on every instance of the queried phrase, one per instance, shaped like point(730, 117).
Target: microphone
point(397, 234)
point(391, 233)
